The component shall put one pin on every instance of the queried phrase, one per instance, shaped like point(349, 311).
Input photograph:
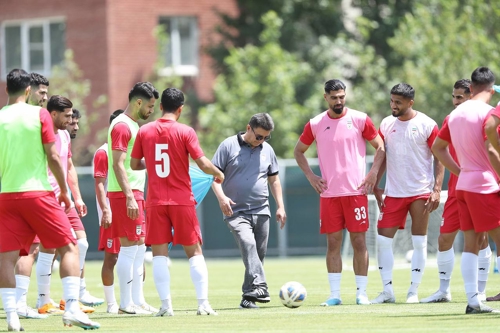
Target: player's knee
point(83, 245)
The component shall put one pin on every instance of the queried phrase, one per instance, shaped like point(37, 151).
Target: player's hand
point(106, 218)
point(132, 208)
point(281, 217)
point(225, 206)
point(64, 201)
point(433, 202)
point(379, 195)
point(318, 184)
point(81, 208)
point(219, 178)
point(368, 183)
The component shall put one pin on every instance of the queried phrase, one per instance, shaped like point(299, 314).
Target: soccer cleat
point(84, 308)
point(26, 312)
point(481, 296)
point(248, 304)
point(133, 310)
point(437, 297)
point(168, 312)
point(49, 308)
point(14, 326)
point(112, 308)
point(331, 302)
point(481, 308)
point(79, 319)
point(494, 298)
point(384, 297)
point(38, 305)
point(149, 308)
point(89, 300)
point(258, 294)
point(411, 298)
point(206, 310)
point(362, 300)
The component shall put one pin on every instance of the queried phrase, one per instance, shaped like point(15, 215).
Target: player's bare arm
point(440, 151)
point(493, 156)
point(433, 201)
point(490, 127)
point(55, 166)
point(225, 202)
point(319, 184)
point(100, 193)
point(207, 167)
point(370, 181)
point(80, 206)
point(137, 164)
point(276, 190)
point(377, 191)
point(122, 179)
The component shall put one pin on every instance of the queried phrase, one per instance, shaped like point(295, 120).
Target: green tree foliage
point(441, 42)
point(260, 79)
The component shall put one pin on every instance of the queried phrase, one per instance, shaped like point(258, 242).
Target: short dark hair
point(58, 103)
point(115, 114)
point(17, 81)
point(334, 85)
point(171, 99)
point(403, 89)
point(482, 77)
point(38, 79)
point(262, 120)
point(463, 84)
point(143, 89)
point(76, 114)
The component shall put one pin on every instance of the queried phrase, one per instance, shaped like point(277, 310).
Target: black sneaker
point(260, 295)
point(481, 308)
point(248, 304)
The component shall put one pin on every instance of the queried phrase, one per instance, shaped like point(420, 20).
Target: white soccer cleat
point(480, 308)
point(168, 312)
point(133, 310)
point(89, 300)
point(411, 298)
point(149, 308)
point(362, 300)
point(14, 326)
point(437, 297)
point(112, 308)
point(481, 296)
point(27, 312)
point(79, 319)
point(384, 297)
point(206, 310)
point(332, 302)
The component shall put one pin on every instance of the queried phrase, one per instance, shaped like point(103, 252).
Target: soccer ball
point(292, 294)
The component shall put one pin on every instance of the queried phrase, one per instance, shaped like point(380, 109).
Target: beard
point(338, 110)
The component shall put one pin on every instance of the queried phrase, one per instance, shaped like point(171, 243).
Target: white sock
point(418, 261)
point(43, 276)
point(83, 246)
point(469, 274)
point(161, 276)
point(109, 294)
point(361, 283)
point(138, 270)
point(124, 267)
point(483, 265)
point(446, 262)
point(199, 276)
point(22, 286)
point(9, 305)
point(385, 259)
point(334, 281)
point(71, 287)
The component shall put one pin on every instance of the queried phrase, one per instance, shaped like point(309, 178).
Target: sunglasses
point(259, 137)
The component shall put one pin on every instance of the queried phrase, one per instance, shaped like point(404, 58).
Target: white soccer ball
point(292, 294)
point(148, 257)
point(409, 255)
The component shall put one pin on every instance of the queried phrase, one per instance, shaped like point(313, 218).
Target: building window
point(181, 48)
point(35, 45)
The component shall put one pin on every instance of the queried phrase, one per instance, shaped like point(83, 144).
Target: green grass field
point(225, 283)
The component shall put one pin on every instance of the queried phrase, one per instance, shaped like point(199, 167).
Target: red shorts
point(339, 213)
point(451, 220)
point(478, 211)
point(395, 211)
point(106, 241)
point(183, 219)
point(74, 220)
point(21, 219)
point(122, 225)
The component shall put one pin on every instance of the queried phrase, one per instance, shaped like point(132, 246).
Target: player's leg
point(110, 246)
point(45, 304)
point(483, 263)
point(8, 261)
point(420, 223)
point(138, 279)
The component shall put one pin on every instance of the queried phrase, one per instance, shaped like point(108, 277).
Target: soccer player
point(126, 198)
point(107, 243)
point(450, 224)
point(73, 126)
point(411, 187)
point(341, 134)
point(478, 175)
point(243, 199)
point(39, 90)
point(166, 146)
point(27, 144)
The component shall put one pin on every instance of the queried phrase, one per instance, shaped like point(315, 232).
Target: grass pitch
point(226, 276)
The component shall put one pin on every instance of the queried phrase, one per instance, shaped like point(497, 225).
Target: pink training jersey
point(452, 182)
point(63, 146)
point(341, 149)
point(408, 152)
point(465, 129)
